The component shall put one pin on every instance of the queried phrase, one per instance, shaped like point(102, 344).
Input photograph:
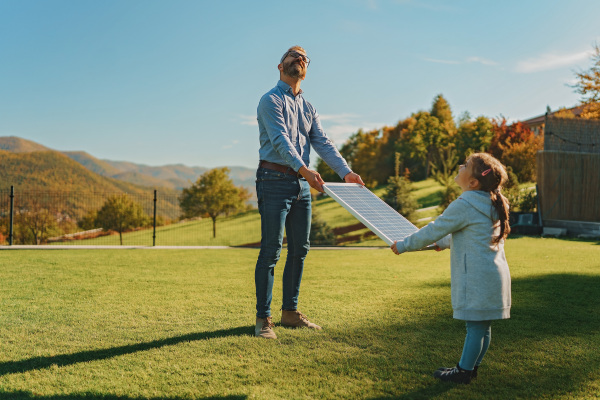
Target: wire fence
point(36, 217)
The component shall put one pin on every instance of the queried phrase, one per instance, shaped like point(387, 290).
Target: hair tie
point(487, 171)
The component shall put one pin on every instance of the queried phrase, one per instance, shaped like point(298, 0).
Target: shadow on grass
point(14, 367)
point(548, 347)
point(21, 395)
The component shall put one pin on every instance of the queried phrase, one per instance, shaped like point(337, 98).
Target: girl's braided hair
point(491, 175)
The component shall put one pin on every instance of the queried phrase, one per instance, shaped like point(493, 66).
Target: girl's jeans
point(477, 341)
point(284, 202)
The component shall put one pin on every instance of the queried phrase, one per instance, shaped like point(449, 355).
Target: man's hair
point(293, 48)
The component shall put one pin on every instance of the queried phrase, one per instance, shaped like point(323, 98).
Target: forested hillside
point(51, 170)
point(174, 176)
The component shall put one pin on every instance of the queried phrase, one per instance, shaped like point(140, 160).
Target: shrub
point(320, 232)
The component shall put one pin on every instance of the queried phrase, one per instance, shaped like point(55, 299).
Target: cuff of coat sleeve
point(400, 246)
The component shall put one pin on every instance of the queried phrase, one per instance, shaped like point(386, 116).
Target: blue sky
point(178, 81)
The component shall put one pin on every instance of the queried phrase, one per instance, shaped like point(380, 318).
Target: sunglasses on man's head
point(295, 54)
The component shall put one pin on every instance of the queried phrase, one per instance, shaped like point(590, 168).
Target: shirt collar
point(287, 88)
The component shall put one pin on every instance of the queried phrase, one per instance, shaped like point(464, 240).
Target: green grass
point(177, 324)
point(244, 228)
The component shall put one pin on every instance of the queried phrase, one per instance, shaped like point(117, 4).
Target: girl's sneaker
point(473, 374)
point(455, 374)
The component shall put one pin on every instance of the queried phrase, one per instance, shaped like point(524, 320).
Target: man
point(288, 126)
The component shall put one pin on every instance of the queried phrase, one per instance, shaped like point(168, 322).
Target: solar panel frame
point(374, 213)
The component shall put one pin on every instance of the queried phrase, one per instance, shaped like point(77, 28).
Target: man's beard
point(294, 70)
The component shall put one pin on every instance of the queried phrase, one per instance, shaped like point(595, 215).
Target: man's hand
point(313, 178)
point(351, 177)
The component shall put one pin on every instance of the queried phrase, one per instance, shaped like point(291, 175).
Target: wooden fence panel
point(569, 185)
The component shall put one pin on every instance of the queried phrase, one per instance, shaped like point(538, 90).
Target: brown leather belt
point(278, 167)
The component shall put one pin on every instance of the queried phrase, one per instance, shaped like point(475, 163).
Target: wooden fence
point(569, 185)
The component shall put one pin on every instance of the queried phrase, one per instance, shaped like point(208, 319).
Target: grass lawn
point(178, 324)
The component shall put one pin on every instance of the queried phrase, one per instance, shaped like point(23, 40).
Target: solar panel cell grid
point(369, 209)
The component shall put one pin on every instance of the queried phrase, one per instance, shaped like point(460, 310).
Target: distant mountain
point(174, 177)
point(17, 145)
point(53, 170)
point(51, 173)
point(92, 163)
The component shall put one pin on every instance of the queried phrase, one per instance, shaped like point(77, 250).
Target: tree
point(444, 171)
point(361, 151)
point(516, 146)
point(35, 222)
point(398, 193)
point(88, 221)
point(120, 213)
point(328, 174)
point(588, 86)
point(214, 194)
point(442, 111)
point(428, 136)
point(36, 225)
point(472, 136)
point(521, 156)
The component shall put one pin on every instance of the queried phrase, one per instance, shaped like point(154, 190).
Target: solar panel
point(373, 212)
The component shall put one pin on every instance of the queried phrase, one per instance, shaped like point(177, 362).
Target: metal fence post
point(12, 207)
point(154, 231)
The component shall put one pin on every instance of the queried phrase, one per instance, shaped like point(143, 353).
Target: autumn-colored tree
point(214, 194)
point(588, 86)
point(120, 213)
point(516, 146)
point(564, 113)
point(361, 151)
point(504, 135)
point(34, 222)
point(521, 156)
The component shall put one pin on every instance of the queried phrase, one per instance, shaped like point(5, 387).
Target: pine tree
point(398, 193)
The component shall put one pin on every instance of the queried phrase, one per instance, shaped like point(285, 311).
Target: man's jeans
point(283, 202)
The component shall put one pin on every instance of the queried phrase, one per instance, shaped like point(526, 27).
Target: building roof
point(540, 119)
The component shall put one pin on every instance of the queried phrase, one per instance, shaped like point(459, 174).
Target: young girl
point(474, 227)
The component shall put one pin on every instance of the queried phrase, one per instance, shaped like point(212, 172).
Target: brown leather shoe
point(295, 319)
point(264, 328)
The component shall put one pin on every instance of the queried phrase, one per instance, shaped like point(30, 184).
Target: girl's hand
point(437, 248)
point(394, 249)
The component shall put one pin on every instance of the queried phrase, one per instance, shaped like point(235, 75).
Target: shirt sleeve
point(270, 112)
point(452, 220)
point(326, 149)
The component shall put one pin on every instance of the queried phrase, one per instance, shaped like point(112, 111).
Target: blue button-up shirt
point(288, 126)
